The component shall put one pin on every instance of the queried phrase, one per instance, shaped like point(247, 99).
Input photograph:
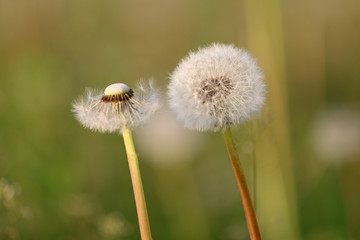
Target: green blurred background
point(301, 155)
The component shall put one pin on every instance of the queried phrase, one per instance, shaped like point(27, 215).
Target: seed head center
point(117, 92)
point(214, 89)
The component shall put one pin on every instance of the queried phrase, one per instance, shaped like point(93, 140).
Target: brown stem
point(241, 181)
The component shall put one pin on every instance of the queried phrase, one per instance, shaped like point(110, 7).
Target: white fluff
point(215, 87)
point(102, 116)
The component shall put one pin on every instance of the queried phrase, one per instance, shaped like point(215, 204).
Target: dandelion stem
point(241, 181)
point(137, 185)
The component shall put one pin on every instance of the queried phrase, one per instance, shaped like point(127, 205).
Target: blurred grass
point(51, 50)
point(275, 178)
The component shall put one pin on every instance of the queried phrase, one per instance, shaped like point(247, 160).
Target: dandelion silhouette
point(119, 109)
point(213, 89)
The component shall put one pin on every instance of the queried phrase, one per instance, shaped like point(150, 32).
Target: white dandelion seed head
point(215, 87)
point(117, 107)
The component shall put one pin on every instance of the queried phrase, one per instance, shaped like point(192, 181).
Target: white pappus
point(117, 107)
point(216, 87)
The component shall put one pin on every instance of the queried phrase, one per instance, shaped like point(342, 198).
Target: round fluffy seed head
point(217, 86)
point(118, 107)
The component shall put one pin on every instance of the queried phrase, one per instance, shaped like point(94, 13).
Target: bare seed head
point(117, 92)
point(118, 107)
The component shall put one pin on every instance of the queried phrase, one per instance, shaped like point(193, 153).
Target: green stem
point(241, 181)
point(137, 185)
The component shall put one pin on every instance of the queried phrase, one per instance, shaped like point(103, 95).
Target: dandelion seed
point(216, 87)
point(117, 107)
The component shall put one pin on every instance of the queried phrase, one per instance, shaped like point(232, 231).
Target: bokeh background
point(301, 155)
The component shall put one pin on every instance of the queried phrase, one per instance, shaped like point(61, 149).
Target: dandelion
point(216, 87)
point(119, 109)
point(116, 108)
point(213, 89)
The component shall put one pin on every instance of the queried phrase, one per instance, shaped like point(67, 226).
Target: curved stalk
point(241, 181)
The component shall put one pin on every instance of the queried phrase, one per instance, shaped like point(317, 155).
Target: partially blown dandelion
point(118, 109)
point(213, 89)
